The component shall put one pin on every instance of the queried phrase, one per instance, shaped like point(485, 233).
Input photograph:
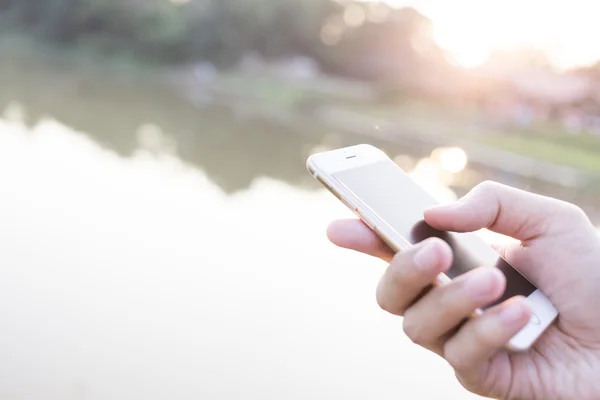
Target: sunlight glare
point(451, 159)
point(470, 30)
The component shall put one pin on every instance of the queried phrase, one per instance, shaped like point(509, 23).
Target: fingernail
point(512, 312)
point(481, 284)
point(427, 256)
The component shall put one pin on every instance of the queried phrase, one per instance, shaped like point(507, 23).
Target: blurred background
point(159, 235)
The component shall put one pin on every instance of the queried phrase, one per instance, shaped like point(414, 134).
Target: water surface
point(150, 249)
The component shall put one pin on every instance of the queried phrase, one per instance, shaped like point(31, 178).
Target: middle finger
point(445, 307)
point(411, 273)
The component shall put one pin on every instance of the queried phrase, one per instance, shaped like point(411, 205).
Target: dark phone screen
point(400, 202)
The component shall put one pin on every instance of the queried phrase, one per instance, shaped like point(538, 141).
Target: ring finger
point(444, 308)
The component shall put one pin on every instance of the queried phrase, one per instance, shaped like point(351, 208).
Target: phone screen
point(400, 202)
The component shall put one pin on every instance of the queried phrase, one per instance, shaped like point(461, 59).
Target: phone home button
point(535, 320)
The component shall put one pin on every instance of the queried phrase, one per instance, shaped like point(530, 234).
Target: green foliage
point(171, 31)
point(221, 31)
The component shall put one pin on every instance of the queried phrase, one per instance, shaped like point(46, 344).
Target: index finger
point(353, 234)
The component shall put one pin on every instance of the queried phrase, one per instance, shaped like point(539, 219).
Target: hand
point(557, 248)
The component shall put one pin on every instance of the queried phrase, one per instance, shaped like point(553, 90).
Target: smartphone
point(392, 205)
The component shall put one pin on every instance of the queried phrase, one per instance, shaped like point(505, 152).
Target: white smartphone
point(392, 205)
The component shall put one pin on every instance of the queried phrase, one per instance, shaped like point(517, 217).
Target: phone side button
point(366, 222)
point(348, 204)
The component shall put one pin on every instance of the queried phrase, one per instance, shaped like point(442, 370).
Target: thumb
point(505, 210)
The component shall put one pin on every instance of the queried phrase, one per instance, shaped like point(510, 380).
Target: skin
point(556, 247)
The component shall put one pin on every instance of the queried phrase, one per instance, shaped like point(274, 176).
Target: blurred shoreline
point(295, 87)
point(343, 117)
point(316, 106)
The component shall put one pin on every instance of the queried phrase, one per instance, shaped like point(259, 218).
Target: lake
point(151, 249)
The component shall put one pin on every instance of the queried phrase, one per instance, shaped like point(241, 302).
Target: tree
point(376, 41)
point(387, 48)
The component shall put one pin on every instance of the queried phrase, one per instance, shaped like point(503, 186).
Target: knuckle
point(414, 330)
point(486, 191)
point(454, 298)
point(401, 273)
point(487, 187)
point(562, 215)
point(481, 337)
point(455, 357)
point(575, 211)
point(396, 272)
point(386, 300)
point(381, 297)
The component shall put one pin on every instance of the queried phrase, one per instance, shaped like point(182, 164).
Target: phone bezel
point(324, 165)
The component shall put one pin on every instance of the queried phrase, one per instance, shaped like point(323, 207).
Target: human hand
point(557, 248)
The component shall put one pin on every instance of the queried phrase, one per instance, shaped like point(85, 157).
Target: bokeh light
point(451, 159)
